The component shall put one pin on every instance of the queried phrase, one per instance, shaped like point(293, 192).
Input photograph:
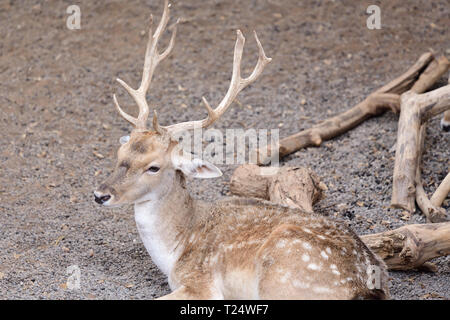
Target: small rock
point(405, 216)
point(386, 223)
point(43, 154)
point(98, 155)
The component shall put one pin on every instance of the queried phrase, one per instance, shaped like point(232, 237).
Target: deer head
point(149, 159)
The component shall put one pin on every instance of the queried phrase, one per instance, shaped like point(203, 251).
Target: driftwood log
point(433, 213)
point(416, 109)
point(292, 186)
point(408, 247)
point(378, 102)
point(441, 192)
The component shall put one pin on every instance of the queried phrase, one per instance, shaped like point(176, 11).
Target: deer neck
point(162, 222)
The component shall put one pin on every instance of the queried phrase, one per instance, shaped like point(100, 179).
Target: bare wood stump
point(409, 247)
point(291, 186)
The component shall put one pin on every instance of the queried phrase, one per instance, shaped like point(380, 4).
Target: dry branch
point(383, 99)
point(404, 248)
point(416, 108)
point(410, 246)
point(432, 212)
point(441, 192)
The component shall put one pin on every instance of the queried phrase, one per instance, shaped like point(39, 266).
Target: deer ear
point(195, 168)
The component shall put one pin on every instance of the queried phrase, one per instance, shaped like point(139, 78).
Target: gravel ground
point(57, 113)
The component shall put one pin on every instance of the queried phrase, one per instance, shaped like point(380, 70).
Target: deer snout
point(101, 198)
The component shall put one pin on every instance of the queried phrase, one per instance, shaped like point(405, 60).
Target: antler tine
point(152, 59)
point(237, 84)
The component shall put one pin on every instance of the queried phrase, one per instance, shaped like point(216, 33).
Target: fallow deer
point(236, 248)
point(445, 121)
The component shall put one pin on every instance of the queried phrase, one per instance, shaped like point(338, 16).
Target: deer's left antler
point(152, 59)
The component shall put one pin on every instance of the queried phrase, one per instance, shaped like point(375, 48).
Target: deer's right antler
point(237, 84)
point(152, 59)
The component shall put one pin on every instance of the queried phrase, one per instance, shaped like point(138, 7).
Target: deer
point(445, 121)
point(235, 248)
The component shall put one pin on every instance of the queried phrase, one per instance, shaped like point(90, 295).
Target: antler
point(152, 59)
point(237, 84)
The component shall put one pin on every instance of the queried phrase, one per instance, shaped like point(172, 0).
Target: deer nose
point(101, 199)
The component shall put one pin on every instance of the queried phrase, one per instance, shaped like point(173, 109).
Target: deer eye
point(153, 169)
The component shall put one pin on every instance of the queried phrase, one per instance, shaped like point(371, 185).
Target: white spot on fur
point(214, 259)
point(307, 230)
point(285, 277)
point(228, 247)
point(313, 266)
point(322, 290)
point(307, 246)
point(305, 257)
point(336, 272)
point(281, 244)
point(321, 237)
point(328, 250)
point(324, 255)
point(300, 284)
